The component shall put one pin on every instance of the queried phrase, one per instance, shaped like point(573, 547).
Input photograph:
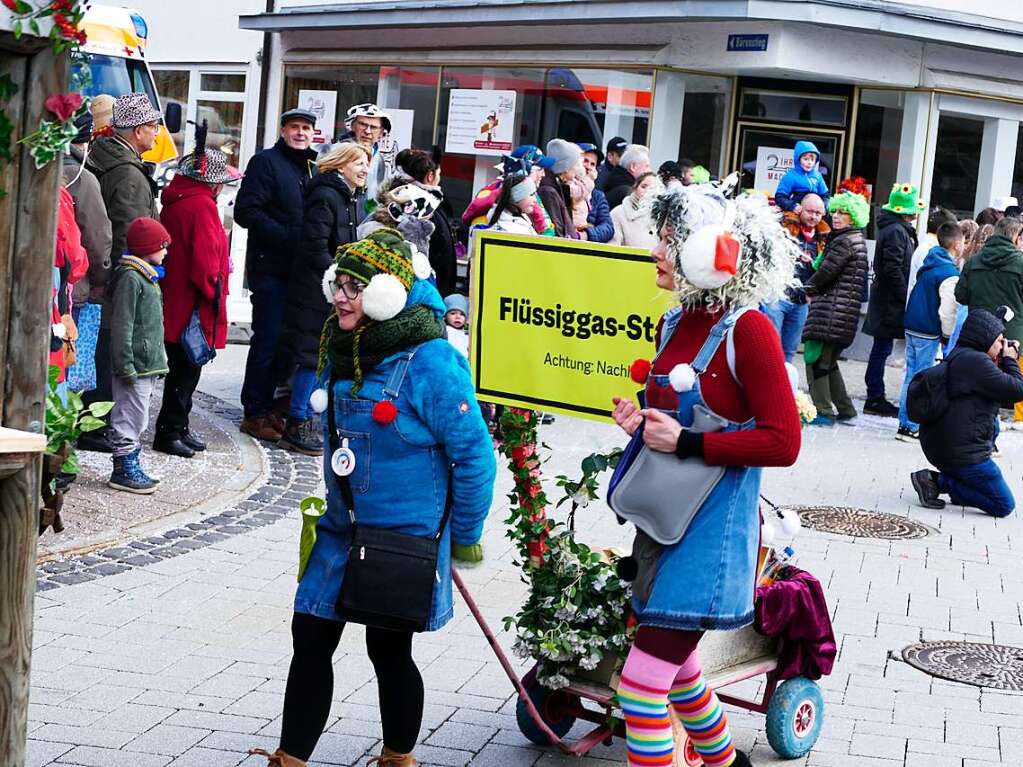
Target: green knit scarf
point(353, 353)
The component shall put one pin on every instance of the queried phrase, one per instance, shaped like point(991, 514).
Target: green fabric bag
point(312, 509)
point(812, 351)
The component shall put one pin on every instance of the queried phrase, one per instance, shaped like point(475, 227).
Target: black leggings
point(310, 687)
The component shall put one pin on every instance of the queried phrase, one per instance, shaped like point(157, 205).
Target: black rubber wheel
point(543, 699)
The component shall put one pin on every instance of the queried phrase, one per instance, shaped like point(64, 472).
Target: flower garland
point(576, 615)
point(52, 138)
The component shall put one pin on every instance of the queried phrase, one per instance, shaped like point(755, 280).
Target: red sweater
point(765, 393)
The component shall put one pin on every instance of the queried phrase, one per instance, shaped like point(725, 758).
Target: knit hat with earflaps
point(904, 199)
point(385, 263)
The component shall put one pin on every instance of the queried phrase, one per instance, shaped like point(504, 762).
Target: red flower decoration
point(639, 371)
point(11, 5)
point(64, 105)
point(384, 412)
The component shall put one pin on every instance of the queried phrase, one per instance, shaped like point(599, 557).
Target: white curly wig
point(769, 256)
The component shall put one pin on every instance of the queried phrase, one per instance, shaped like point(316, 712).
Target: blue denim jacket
point(402, 469)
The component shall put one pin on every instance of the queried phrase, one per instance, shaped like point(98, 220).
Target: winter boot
point(278, 758)
point(193, 440)
point(302, 437)
point(925, 482)
point(128, 475)
point(391, 758)
point(261, 427)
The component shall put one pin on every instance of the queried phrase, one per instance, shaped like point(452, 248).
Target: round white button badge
point(343, 460)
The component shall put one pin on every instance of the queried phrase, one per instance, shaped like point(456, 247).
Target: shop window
point(224, 126)
point(224, 83)
point(780, 106)
point(172, 85)
point(704, 121)
point(956, 164)
point(580, 105)
point(1017, 170)
point(875, 154)
point(410, 93)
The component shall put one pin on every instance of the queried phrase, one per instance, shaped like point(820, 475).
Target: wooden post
point(28, 218)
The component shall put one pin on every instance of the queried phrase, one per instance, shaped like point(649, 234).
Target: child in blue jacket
point(802, 179)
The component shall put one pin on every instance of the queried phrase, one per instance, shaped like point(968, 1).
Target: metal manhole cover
point(860, 523)
point(983, 665)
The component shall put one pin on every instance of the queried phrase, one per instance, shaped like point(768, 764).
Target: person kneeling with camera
point(980, 375)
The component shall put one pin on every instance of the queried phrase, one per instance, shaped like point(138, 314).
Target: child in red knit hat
point(136, 348)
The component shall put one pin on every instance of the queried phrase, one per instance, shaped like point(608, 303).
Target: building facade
point(915, 92)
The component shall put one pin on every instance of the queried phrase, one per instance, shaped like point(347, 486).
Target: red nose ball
point(384, 412)
point(639, 371)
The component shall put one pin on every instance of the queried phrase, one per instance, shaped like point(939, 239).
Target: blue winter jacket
point(797, 183)
point(922, 317)
point(602, 228)
point(402, 469)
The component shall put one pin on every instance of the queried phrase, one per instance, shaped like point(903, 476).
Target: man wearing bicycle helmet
point(369, 125)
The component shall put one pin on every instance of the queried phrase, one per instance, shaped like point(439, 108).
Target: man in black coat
point(634, 163)
point(269, 205)
point(893, 253)
point(982, 375)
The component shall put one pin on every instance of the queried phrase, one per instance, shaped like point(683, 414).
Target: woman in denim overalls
point(404, 403)
point(717, 355)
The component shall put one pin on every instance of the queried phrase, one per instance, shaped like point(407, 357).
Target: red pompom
point(639, 371)
point(385, 412)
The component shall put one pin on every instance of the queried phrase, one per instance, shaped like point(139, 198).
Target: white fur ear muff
point(328, 283)
point(384, 297)
point(421, 264)
point(682, 378)
point(318, 400)
point(767, 533)
point(706, 261)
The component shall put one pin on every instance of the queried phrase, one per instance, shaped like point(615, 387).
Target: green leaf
point(53, 376)
point(100, 409)
point(34, 26)
point(71, 465)
point(589, 465)
point(17, 30)
point(89, 423)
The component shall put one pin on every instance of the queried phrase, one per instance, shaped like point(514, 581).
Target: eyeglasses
point(360, 125)
point(350, 288)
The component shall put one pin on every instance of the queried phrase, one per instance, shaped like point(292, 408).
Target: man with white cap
point(370, 126)
point(129, 192)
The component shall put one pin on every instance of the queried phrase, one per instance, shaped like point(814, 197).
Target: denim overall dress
point(706, 580)
point(400, 482)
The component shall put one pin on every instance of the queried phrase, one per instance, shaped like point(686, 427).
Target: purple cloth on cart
point(794, 609)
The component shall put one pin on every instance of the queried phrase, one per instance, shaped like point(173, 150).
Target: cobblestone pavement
point(182, 661)
point(95, 515)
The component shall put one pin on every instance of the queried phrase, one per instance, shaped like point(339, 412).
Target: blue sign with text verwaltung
point(747, 43)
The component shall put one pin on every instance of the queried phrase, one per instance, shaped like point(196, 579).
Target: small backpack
point(928, 400)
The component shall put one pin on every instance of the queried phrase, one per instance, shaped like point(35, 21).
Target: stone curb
point(291, 478)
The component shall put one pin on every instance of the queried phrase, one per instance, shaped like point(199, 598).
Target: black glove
point(690, 444)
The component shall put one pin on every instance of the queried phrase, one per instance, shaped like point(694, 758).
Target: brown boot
point(278, 758)
point(390, 758)
point(260, 427)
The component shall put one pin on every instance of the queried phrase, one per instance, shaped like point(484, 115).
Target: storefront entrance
point(772, 115)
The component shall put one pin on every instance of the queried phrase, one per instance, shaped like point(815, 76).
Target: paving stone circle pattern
point(292, 477)
point(982, 665)
point(860, 523)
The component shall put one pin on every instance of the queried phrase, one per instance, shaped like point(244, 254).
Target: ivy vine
point(577, 613)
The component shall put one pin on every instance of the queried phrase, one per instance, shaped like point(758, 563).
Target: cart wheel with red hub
point(553, 708)
point(794, 717)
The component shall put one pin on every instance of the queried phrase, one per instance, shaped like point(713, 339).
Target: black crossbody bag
point(390, 576)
